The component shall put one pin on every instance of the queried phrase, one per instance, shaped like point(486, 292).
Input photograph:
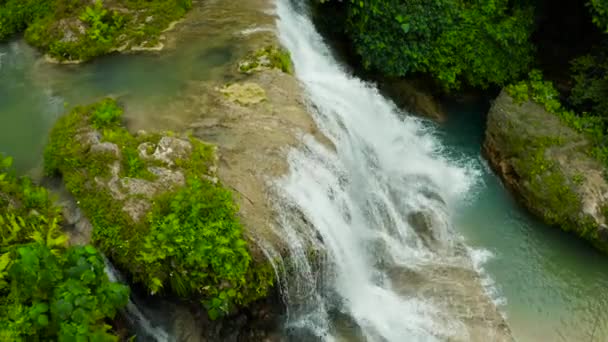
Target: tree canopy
point(477, 42)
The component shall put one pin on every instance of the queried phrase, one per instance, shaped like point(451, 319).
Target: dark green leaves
point(195, 247)
point(48, 292)
point(60, 295)
point(480, 43)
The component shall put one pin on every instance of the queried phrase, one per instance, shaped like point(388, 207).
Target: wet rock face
point(76, 225)
point(454, 288)
point(414, 97)
point(423, 225)
point(547, 166)
point(259, 323)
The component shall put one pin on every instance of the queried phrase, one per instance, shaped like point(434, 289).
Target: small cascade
point(143, 327)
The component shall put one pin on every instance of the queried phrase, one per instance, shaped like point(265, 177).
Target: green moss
point(548, 191)
point(269, 57)
point(200, 161)
point(543, 92)
point(191, 242)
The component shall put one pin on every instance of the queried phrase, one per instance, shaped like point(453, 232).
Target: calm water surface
point(551, 285)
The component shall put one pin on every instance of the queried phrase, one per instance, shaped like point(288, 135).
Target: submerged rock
point(547, 165)
point(245, 93)
point(455, 288)
point(266, 58)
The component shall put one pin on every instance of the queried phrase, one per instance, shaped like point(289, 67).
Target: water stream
point(386, 167)
point(399, 213)
point(548, 284)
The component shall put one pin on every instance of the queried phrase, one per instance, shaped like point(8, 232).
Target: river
point(387, 164)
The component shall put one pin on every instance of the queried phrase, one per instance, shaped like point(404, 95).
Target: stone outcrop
point(415, 97)
point(548, 167)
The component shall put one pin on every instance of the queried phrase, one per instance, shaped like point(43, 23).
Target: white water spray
point(133, 313)
point(368, 202)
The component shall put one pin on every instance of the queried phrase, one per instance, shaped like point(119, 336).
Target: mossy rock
point(267, 58)
point(157, 208)
point(547, 165)
point(244, 93)
point(75, 31)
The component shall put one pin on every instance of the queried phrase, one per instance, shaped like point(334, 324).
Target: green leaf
point(43, 320)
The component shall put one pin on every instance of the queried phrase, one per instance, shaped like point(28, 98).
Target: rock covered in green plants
point(549, 167)
point(266, 58)
point(157, 208)
point(48, 291)
point(78, 30)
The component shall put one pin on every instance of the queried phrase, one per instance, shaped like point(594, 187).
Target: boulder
point(415, 97)
point(547, 165)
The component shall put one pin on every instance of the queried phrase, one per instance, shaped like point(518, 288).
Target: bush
point(16, 15)
point(195, 245)
point(544, 93)
point(48, 291)
point(477, 42)
point(590, 75)
point(106, 113)
point(65, 296)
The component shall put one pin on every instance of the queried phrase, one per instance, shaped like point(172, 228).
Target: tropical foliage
point(593, 125)
point(477, 42)
point(48, 291)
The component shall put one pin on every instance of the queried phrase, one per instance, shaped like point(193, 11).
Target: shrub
point(16, 15)
point(65, 296)
point(106, 113)
point(478, 42)
point(48, 291)
point(544, 93)
point(195, 246)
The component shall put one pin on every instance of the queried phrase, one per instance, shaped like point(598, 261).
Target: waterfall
point(143, 326)
point(373, 209)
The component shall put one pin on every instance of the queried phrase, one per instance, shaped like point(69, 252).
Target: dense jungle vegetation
point(48, 290)
point(472, 44)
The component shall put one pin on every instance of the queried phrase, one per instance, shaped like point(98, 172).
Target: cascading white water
point(134, 314)
point(386, 168)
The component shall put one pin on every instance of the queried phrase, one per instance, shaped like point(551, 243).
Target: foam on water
point(358, 199)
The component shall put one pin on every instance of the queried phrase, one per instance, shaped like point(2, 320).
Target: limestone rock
point(547, 165)
point(136, 194)
point(170, 149)
point(266, 58)
point(106, 147)
point(245, 93)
